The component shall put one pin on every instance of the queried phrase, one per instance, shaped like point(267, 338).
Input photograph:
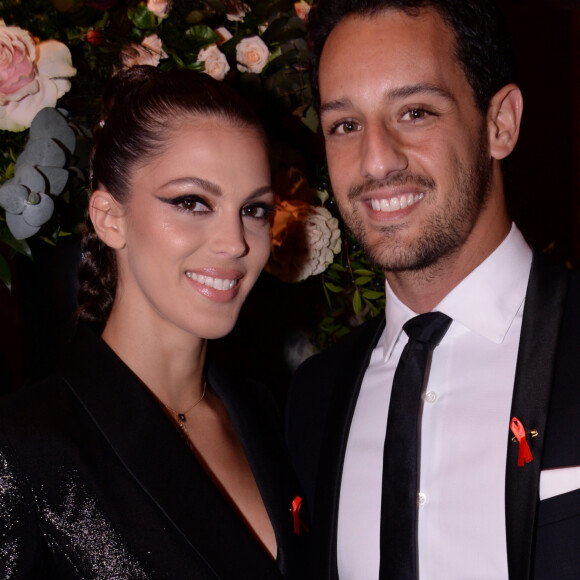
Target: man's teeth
point(395, 203)
point(217, 283)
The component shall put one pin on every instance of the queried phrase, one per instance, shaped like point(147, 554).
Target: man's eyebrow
point(392, 95)
point(418, 89)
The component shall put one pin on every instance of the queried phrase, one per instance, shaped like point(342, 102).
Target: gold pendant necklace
point(181, 417)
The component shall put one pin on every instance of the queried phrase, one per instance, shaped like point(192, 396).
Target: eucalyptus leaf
point(45, 152)
point(27, 175)
point(39, 213)
point(13, 197)
point(50, 124)
point(19, 228)
point(57, 178)
point(5, 274)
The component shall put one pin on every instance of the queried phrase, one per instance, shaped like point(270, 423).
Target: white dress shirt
point(464, 430)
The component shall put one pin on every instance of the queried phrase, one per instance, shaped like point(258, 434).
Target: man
point(418, 108)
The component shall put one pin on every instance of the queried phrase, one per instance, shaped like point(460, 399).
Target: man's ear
point(504, 118)
point(108, 219)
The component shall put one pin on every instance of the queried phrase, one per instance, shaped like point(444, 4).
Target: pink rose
point(32, 76)
point(252, 54)
point(215, 62)
point(17, 69)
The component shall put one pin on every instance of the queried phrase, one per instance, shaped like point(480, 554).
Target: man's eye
point(415, 114)
point(344, 128)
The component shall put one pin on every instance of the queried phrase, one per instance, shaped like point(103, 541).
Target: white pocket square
point(558, 481)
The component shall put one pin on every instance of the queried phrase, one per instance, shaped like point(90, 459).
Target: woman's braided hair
point(142, 106)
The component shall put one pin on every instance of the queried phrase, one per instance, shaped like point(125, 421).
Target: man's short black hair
point(482, 43)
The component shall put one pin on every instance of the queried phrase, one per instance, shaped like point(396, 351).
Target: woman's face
point(196, 229)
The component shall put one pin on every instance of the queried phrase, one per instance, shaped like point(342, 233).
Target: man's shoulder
point(349, 350)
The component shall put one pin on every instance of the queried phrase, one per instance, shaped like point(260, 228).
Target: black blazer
point(543, 538)
point(97, 482)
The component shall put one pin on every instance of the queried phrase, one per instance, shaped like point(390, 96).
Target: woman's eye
point(192, 203)
point(258, 211)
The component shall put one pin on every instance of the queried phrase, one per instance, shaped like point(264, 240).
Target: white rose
point(323, 239)
point(32, 76)
point(304, 241)
point(214, 61)
point(252, 54)
point(159, 7)
point(149, 52)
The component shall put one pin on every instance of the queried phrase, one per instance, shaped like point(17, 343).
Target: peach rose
point(32, 76)
point(302, 10)
point(215, 62)
point(304, 241)
point(159, 7)
point(252, 54)
point(150, 52)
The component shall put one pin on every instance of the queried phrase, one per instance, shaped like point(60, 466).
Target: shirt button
point(430, 397)
point(421, 499)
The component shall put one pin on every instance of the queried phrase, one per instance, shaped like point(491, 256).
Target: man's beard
point(445, 230)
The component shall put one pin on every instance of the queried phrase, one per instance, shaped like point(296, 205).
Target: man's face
point(407, 147)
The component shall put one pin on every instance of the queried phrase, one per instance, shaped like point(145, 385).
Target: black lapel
point(154, 454)
point(258, 423)
point(542, 317)
point(351, 358)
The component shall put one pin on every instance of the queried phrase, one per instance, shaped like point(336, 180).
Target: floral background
point(55, 57)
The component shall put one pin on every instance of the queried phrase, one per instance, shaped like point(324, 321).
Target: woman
point(142, 459)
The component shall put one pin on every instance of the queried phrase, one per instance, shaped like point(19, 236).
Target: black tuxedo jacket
point(543, 538)
point(97, 482)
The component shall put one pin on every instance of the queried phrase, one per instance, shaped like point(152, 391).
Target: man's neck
point(422, 290)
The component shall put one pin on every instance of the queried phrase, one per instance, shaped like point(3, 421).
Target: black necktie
point(400, 482)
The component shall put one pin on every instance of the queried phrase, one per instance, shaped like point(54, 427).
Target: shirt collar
point(486, 301)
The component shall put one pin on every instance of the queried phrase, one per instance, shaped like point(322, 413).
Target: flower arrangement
point(54, 60)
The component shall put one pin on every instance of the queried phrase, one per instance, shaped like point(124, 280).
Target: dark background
point(543, 191)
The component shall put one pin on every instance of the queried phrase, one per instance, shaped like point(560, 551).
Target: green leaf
point(362, 280)
point(338, 267)
point(356, 302)
point(364, 272)
point(142, 18)
point(20, 246)
point(333, 288)
point(201, 34)
point(372, 294)
point(5, 274)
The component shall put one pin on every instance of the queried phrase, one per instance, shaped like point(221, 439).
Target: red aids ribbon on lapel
point(524, 452)
point(296, 505)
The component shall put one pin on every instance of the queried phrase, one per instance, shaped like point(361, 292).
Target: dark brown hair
point(482, 42)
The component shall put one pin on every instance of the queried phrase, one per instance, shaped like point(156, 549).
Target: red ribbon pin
point(296, 505)
point(524, 452)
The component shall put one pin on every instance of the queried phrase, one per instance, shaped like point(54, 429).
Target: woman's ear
point(504, 119)
point(108, 219)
